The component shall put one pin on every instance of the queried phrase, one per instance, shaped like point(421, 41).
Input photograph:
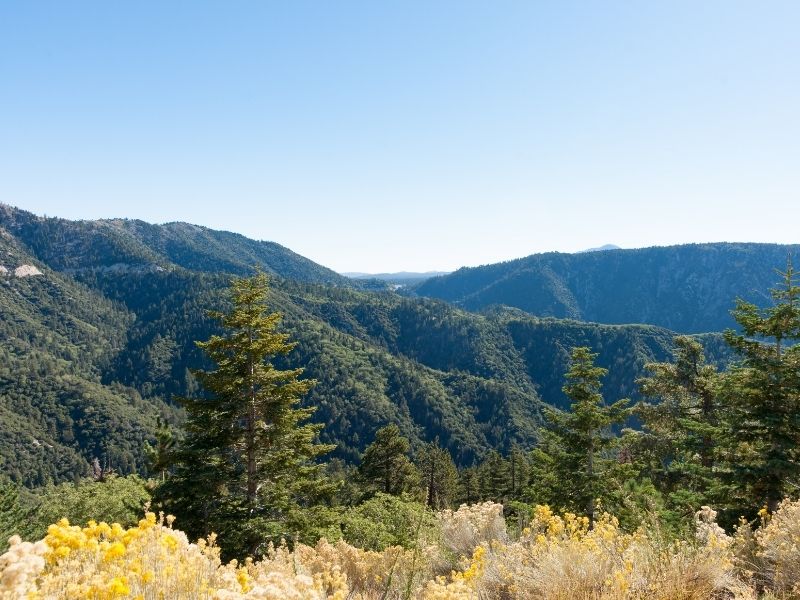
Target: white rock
point(26, 271)
point(3, 270)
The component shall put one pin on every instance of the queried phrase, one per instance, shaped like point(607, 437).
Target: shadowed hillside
point(688, 289)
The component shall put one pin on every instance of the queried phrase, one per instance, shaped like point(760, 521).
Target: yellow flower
point(169, 542)
point(119, 587)
point(114, 551)
point(243, 578)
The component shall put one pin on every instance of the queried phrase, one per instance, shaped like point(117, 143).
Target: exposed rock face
point(3, 270)
point(26, 271)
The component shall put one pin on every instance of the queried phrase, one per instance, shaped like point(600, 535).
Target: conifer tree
point(681, 426)
point(763, 393)
point(385, 465)
point(468, 486)
point(438, 475)
point(518, 471)
point(247, 467)
point(495, 478)
point(576, 444)
point(159, 457)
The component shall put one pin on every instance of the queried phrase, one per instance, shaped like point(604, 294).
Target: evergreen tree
point(576, 444)
point(247, 467)
point(519, 471)
point(548, 460)
point(385, 465)
point(763, 393)
point(438, 475)
point(12, 516)
point(468, 486)
point(495, 479)
point(681, 429)
point(160, 457)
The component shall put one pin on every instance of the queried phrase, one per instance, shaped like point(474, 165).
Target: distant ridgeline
point(688, 289)
point(95, 346)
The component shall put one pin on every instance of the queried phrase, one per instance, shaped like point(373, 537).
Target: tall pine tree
point(681, 427)
point(576, 445)
point(385, 466)
point(247, 467)
point(763, 393)
point(438, 475)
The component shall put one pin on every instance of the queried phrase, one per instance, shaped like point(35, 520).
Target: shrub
point(386, 520)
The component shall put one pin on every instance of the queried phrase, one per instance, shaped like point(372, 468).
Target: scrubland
point(470, 553)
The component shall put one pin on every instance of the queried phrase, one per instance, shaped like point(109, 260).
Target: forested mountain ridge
point(56, 414)
point(688, 288)
point(125, 244)
point(95, 349)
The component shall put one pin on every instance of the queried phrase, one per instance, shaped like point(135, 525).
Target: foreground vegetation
point(465, 554)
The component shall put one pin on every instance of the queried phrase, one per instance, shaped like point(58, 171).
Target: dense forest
point(688, 289)
point(113, 319)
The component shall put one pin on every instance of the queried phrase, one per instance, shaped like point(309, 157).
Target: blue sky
point(379, 136)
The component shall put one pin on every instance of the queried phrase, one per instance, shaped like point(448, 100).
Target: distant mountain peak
point(602, 248)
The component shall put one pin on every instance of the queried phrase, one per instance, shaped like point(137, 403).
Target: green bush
point(28, 513)
point(386, 520)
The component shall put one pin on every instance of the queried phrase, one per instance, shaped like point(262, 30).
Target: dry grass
point(557, 558)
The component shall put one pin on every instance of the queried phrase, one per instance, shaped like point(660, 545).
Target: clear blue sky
point(377, 136)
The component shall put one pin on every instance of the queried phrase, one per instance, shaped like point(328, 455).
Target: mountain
point(97, 345)
point(56, 413)
point(689, 288)
point(131, 245)
point(603, 248)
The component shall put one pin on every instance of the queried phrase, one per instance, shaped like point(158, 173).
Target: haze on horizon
point(380, 137)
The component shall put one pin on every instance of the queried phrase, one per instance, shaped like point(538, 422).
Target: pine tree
point(519, 471)
point(468, 486)
point(438, 475)
point(385, 465)
point(763, 393)
point(159, 457)
point(495, 478)
point(576, 444)
point(247, 467)
point(681, 427)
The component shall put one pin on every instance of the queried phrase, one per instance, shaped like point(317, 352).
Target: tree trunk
point(431, 481)
point(590, 478)
point(707, 443)
point(251, 433)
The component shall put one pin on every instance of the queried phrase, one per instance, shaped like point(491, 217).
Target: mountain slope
point(96, 348)
point(126, 245)
point(56, 414)
point(688, 288)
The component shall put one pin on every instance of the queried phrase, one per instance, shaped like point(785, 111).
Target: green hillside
point(688, 288)
point(56, 414)
point(92, 353)
point(129, 245)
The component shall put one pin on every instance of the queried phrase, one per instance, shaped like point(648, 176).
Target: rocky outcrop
point(20, 271)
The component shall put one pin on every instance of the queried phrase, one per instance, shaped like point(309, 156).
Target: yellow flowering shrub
point(769, 556)
point(559, 557)
point(465, 529)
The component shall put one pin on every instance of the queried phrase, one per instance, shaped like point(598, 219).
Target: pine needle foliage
point(248, 466)
point(682, 428)
point(385, 466)
point(763, 392)
point(576, 446)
